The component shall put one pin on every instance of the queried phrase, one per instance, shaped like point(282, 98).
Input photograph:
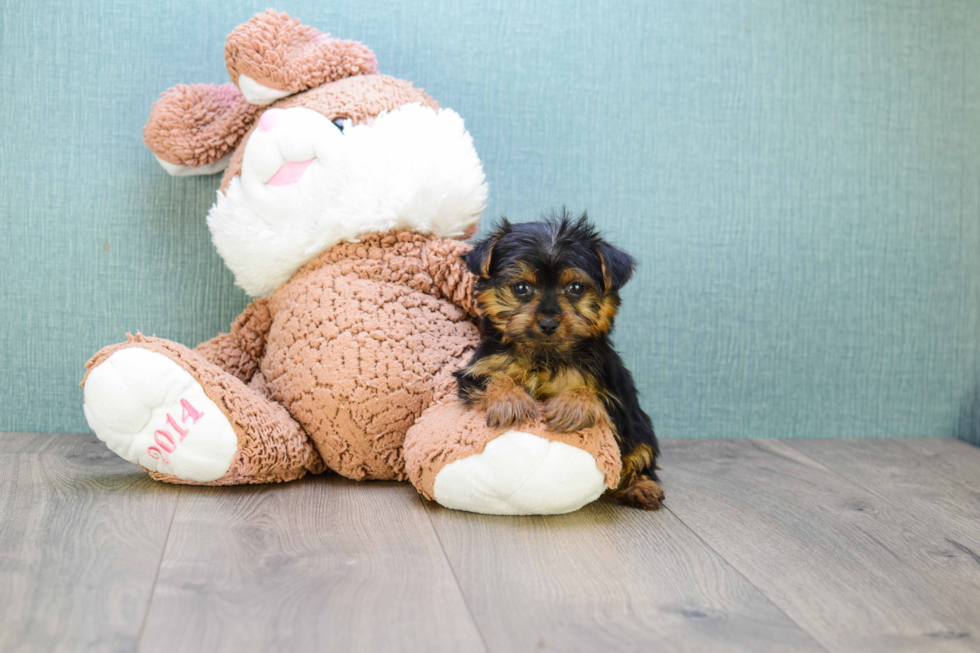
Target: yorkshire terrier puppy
point(548, 293)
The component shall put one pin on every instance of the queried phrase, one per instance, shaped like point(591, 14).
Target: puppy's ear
point(478, 259)
point(617, 266)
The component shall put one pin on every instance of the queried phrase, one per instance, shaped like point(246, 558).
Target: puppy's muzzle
point(548, 325)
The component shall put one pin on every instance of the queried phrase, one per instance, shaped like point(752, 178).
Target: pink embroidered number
point(165, 441)
point(190, 411)
point(169, 448)
point(181, 432)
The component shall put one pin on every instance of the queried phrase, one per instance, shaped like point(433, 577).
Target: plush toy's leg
point(453, 458)
point(165, 407)
point(272, 56)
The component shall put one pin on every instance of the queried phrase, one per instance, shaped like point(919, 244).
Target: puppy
point(548, 293)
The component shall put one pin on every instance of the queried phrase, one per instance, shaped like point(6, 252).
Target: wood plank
point(954, 458)
point(851, 568)
point(606, 578)
point(81, 537)
point(319, 564)
point(30, 443)
point(900, 476)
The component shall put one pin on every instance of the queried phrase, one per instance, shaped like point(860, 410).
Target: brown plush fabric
point(427, 263)
point(240, 351)
point(362, 342)
point(271, 445)
point(449, 431)
point(283, 54)
point(193, 125)
point(259, 385)
point(347, 358)
point(359, 98)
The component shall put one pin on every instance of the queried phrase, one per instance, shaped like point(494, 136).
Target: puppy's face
point(551, 284)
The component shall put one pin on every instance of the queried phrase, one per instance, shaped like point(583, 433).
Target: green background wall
point(800, 181)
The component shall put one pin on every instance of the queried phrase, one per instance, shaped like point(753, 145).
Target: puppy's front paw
point(573, 410)
point(510, 409)
point(644, 493)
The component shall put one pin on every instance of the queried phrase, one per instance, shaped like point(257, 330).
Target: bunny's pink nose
point(270, 118)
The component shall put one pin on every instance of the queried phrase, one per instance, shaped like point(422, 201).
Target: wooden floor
point(765, 545)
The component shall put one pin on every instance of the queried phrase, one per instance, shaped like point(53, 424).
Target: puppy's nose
point(548, 325)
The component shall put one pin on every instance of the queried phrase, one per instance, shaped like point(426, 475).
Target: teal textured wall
point(800, 181)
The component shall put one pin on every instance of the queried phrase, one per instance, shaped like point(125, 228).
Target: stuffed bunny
point(344, 198)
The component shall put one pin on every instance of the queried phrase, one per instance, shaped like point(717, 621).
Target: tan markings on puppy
point(568, 275)
point(510, 366)
point(521, 328)
point(490, 365)
point(499, 303)
point(644, 493)
point(607, 280)
point(586, 316)
point(522, 331)
point(573, 410)
point(521, 271)
point(506, 403)
point(542, 383)
point(608, 307)
point(485, 263)
point(516, 319)
point(636, 461)
point(591, 313)
point(597, 311)
point(636, 489)
point(563, 379)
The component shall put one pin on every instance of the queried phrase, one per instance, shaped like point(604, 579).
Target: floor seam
point(741, 575)
point(156, 576)
point(452, 570)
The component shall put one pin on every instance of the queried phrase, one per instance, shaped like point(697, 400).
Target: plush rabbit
point(344, 199)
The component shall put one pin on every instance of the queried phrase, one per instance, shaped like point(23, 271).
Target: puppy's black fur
point(548, 294)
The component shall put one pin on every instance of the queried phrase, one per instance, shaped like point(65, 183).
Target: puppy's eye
point(575, 289)
point(341, 124)
point(521, 288)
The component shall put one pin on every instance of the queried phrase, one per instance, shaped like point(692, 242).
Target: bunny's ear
point(193, 129)
point(273, 56)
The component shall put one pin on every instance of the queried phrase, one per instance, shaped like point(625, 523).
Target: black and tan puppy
point(548, 293)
